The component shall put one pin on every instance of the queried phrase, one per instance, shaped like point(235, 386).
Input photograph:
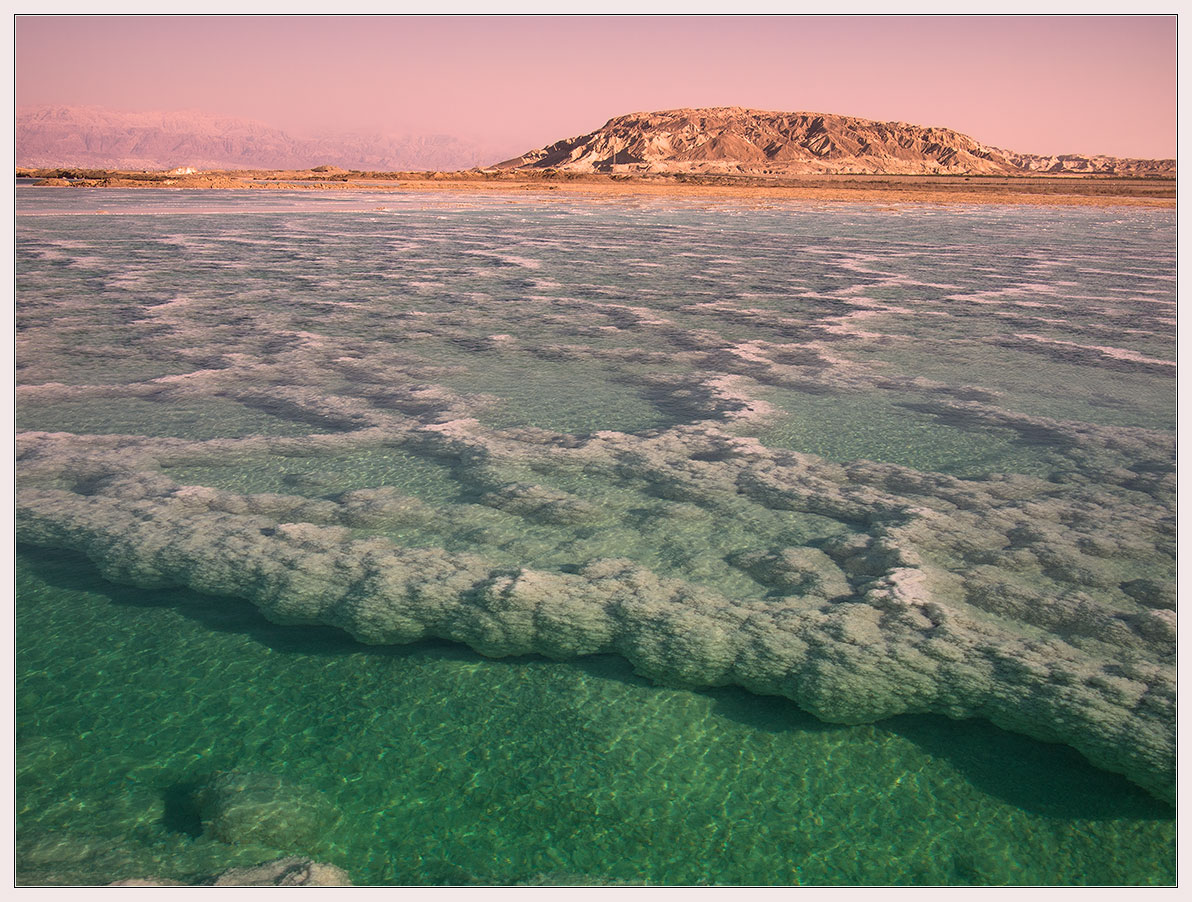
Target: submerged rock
point(264, 809)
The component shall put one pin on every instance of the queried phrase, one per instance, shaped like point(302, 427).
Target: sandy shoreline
point(868, 189)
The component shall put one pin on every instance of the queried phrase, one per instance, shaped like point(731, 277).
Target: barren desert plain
point(1095, 190)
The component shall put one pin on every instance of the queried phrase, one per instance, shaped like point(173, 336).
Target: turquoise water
point(701, 443)
point(445, 767)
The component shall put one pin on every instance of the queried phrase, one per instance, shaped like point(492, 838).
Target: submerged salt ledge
point(858, 589)
point(911, 614)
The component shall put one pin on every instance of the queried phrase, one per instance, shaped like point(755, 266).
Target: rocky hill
point(754, 142)
point(92, 137)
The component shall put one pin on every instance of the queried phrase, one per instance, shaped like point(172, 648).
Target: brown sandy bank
point(869, 189)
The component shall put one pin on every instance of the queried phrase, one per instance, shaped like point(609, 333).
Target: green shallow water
point(134, 416)
point(448, 768)
point(845, 428)
point(1042, 387)
point(313, 477)
point(561, 396)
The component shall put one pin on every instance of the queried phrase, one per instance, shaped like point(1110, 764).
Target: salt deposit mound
point(867, 626)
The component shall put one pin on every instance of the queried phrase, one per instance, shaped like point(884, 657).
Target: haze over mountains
point(718, 140)
point(754, 142)
point(100, 138)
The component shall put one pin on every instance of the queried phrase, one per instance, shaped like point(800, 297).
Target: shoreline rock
point(290, 871)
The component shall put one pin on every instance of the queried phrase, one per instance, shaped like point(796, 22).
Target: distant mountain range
point(92, 137)
point(717, 140)
point(754, 142)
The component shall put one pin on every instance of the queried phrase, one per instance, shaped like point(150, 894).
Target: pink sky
point(1033, 84)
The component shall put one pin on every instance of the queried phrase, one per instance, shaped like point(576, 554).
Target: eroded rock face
point(733, 139)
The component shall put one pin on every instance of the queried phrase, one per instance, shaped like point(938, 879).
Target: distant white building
point(183, 170)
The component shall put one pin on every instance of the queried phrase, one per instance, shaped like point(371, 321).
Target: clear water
point(295, 349)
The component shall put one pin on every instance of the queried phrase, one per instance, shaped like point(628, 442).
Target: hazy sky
point(1034, 84)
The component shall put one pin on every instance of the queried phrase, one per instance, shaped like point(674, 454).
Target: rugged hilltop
point(755, 142)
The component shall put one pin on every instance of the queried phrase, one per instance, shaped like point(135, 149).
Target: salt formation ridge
point(858, 630)
point(859, 589)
